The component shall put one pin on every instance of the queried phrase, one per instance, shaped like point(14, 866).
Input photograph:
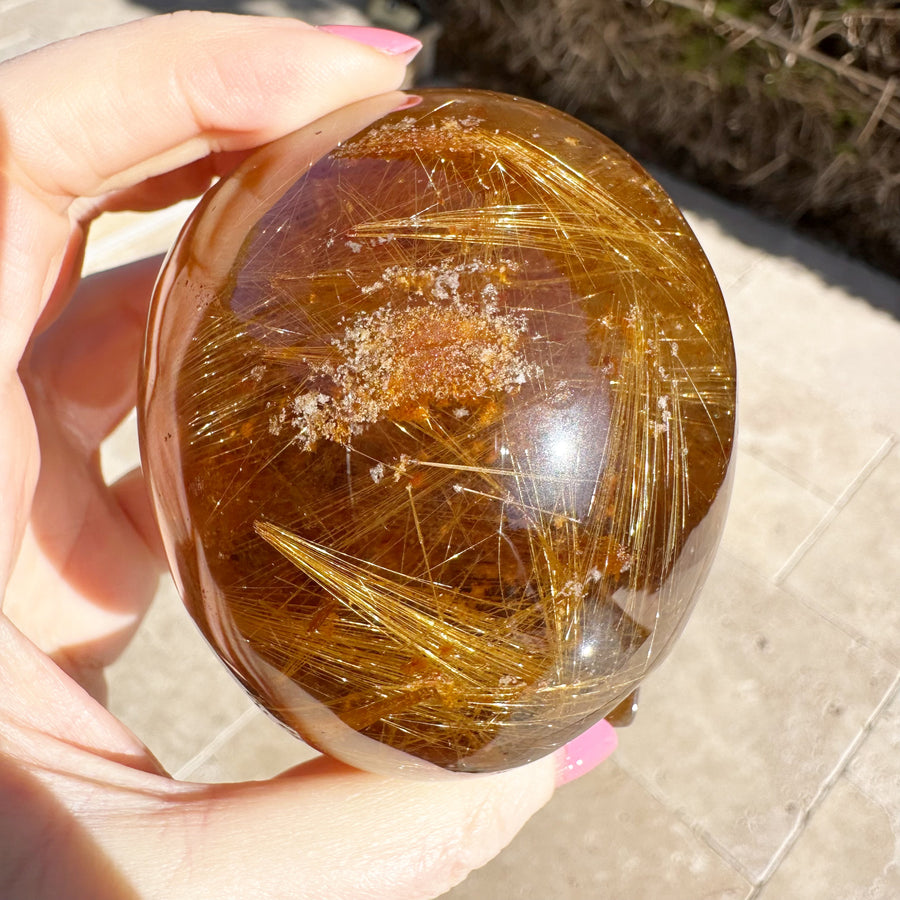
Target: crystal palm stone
point(437, 414)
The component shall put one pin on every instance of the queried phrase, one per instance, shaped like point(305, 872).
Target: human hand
point(139, 117)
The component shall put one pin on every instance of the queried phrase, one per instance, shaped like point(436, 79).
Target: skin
point(138, 117)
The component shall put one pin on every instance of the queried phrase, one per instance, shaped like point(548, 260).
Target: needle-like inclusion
point(438, 412)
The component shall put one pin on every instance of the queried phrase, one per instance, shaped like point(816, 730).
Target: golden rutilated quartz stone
point(438, 412)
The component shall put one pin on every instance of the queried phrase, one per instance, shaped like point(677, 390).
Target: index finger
point(108, 109)
point(111, 109)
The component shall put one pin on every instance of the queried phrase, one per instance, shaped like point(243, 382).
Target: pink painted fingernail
point(588, 750)
point(409, 101)
point(391, 42)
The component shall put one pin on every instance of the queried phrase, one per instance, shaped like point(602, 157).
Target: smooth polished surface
point(438, 415)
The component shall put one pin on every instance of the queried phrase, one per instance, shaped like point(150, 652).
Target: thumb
point(334, 832)
point(96, 807)
point(328, 831)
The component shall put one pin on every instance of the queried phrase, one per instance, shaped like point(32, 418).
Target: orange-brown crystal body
point(437, 413)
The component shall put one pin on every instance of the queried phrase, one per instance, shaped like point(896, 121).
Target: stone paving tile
point(770, 515)
point(605, 837)
point(875, 768)
point(117, 239)
point(785, 317)
point(852, 572)
point(119, 453)
point(170, 689)
point(825, 455)
point(850, 850)
point(734, 240)
point(27, 24)
point(257, 748)
point(759, 702)
point(731, 259)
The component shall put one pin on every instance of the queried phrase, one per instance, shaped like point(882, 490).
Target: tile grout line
point(825, 788)
point(841, 625)
point(745, 273)
point(218, 741)
point(825, 522)
point(777, 466)
point(864, 790)
point(694, 827)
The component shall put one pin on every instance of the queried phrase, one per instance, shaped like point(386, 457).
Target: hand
point(138, 117)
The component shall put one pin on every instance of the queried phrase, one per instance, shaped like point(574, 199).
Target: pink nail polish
point(588, 750)
point(391, 42)
point(409, 101)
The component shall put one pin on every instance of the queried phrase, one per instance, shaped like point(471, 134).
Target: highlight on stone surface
point(437, 412)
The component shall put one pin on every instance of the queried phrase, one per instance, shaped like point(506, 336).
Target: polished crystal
point(437, 413)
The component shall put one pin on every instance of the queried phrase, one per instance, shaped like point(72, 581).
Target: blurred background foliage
point(791, 106)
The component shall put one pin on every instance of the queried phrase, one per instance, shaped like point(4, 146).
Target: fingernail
point(588, 750)
point(409, 101)
point(391, 42)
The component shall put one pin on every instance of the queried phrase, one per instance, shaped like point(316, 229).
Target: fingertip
point(585, 753)
point(158, 93)
point(407, 837)
point(393, 43)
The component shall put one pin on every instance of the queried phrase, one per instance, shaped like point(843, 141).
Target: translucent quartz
point(437, 413)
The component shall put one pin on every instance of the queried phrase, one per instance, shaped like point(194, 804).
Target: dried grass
point(793, 107)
